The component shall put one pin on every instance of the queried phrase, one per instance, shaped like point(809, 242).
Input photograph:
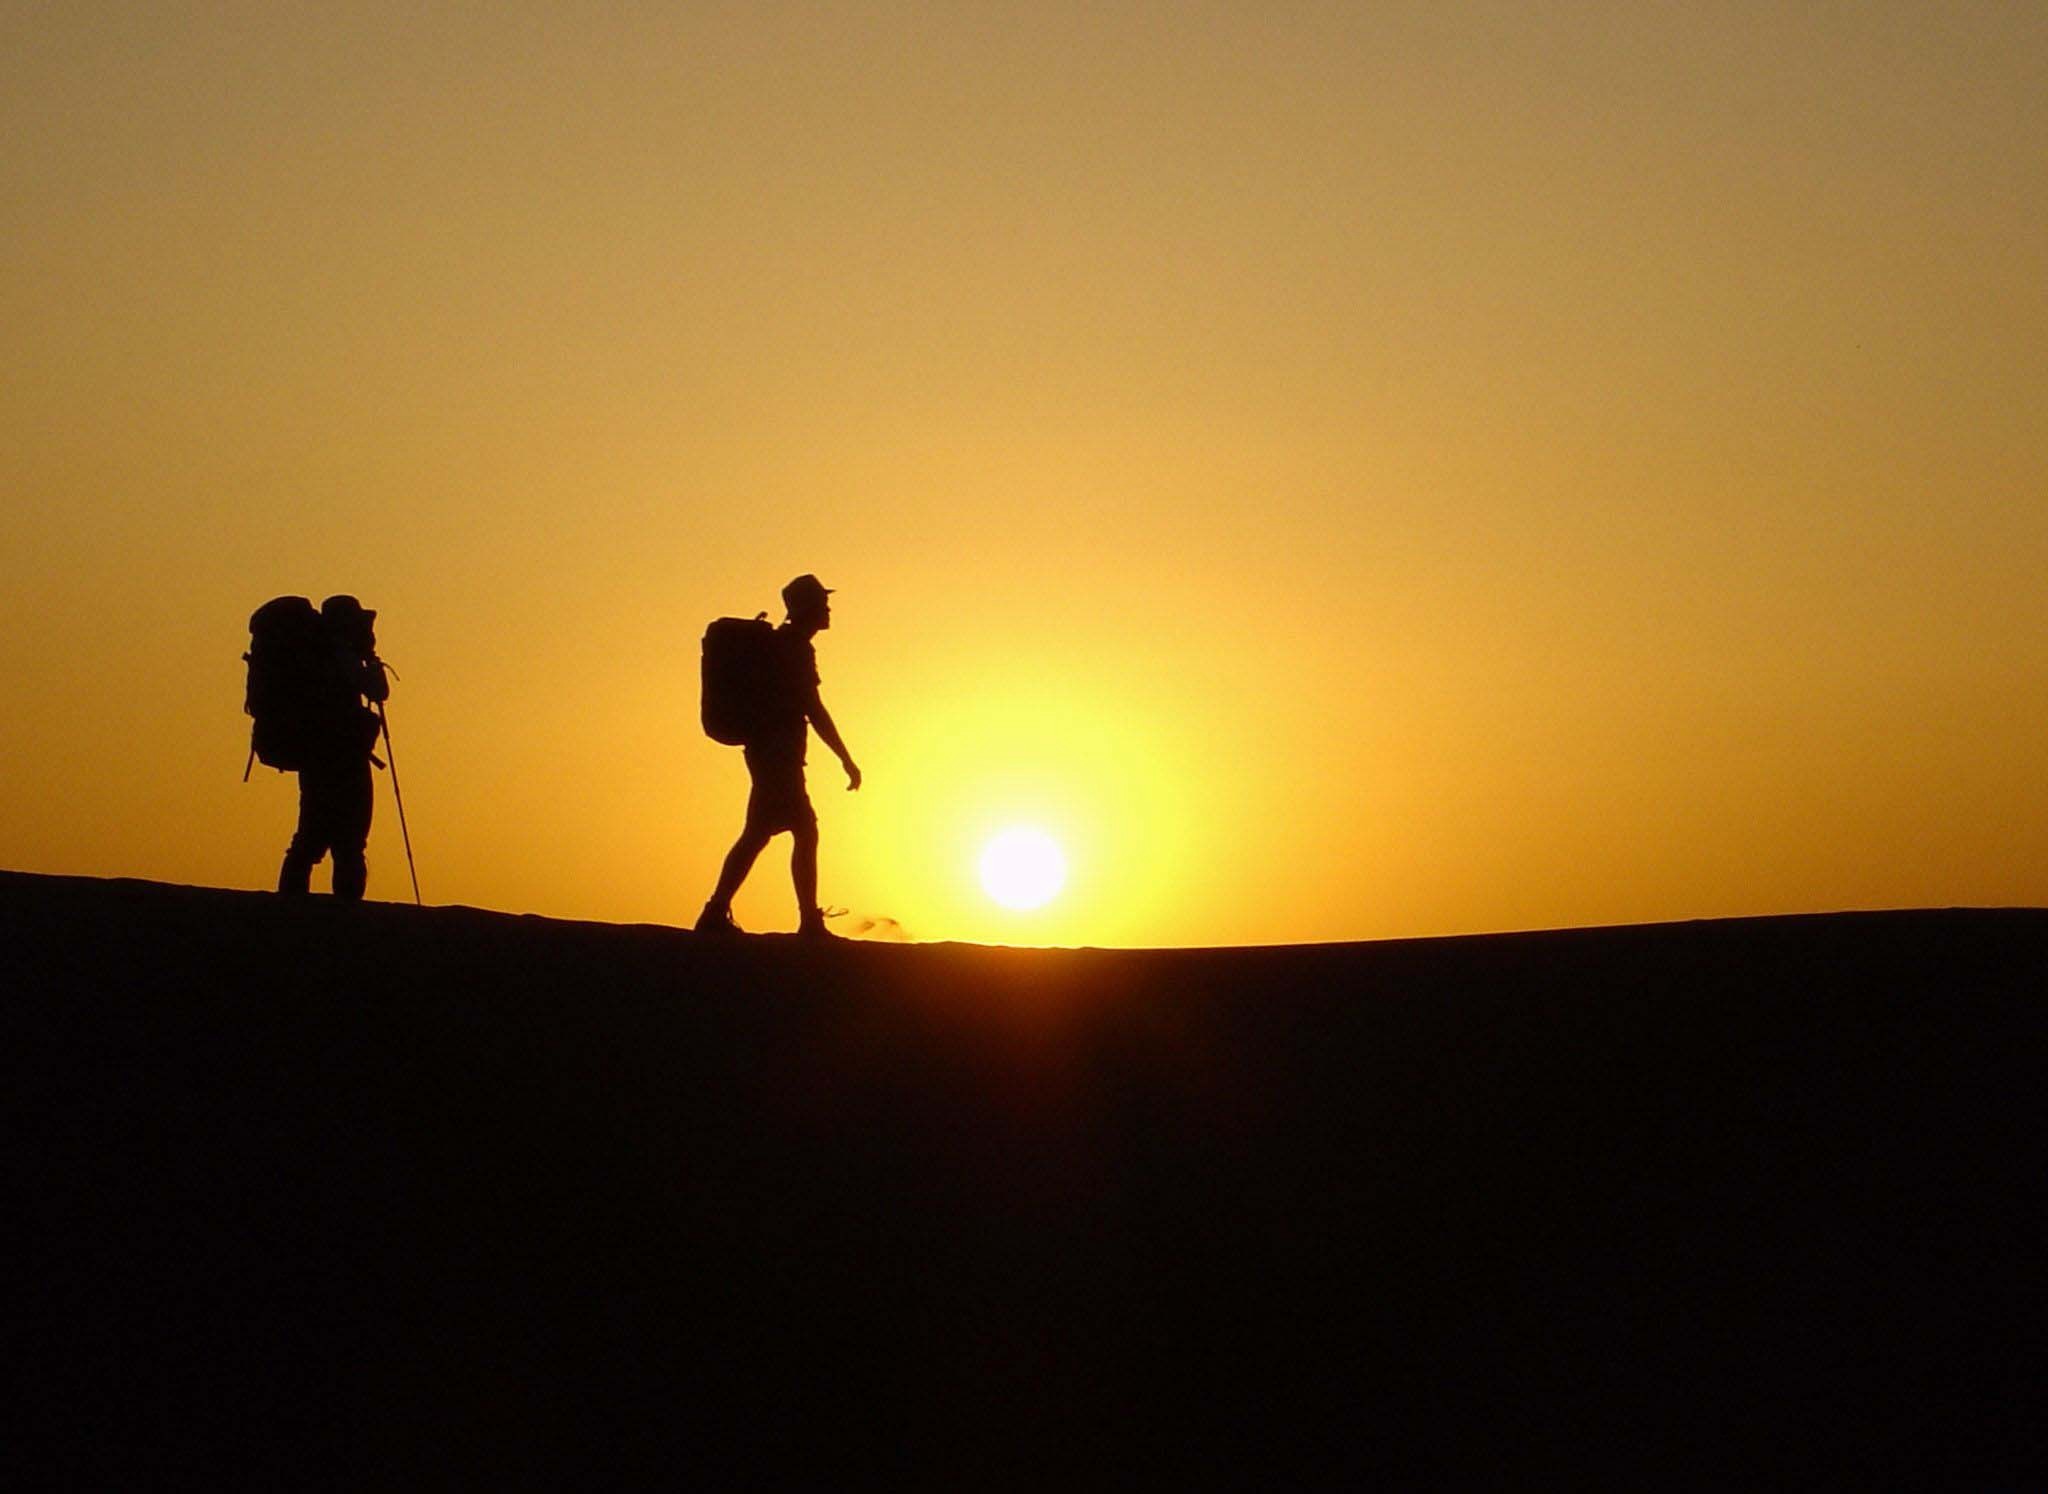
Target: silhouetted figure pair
point(333, 736)
point(310, 674)
point(775, 748)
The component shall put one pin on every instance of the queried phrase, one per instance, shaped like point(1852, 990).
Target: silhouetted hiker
point(761, 692)
point(309, 674)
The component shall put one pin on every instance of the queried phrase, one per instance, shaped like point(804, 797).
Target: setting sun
point(1023, 869)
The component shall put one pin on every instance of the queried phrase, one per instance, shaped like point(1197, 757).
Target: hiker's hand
point(852, 775)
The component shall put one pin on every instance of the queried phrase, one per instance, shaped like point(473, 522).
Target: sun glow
point(1023, 869)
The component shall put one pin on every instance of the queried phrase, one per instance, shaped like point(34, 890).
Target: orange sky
point(1345, 471)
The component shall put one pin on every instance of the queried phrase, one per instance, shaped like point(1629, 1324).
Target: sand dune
point(315, 1195)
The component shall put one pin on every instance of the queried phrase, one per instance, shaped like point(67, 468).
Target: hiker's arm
point(829, 735)
point(375, 685)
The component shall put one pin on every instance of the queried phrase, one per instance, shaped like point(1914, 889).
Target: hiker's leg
point(309, 839)
point(295, 876)
point(351, 876)
point(765, 777)
point(803, 871)
point(354, 799)
point(738, 862)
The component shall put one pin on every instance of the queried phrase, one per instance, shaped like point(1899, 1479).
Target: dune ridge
point(331, 1196)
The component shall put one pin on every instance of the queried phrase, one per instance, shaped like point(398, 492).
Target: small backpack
point(739, 678)
point(291, 682)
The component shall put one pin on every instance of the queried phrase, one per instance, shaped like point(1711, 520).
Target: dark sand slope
point(341, 1196)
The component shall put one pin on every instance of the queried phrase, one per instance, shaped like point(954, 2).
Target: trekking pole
point(392, 753)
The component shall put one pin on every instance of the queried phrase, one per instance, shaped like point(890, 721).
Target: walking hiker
point(761, 693)
point(309, 676)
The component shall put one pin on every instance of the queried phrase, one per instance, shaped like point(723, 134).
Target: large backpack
point(291, 684)
point(739, 678)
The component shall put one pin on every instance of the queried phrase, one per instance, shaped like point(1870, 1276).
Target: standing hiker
point(309, 675)
point(761, 693)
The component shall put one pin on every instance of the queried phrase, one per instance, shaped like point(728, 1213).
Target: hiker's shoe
point(812, 926)
point(716, 921)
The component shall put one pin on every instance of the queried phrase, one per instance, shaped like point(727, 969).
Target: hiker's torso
point(785, 724)
point(343, 726)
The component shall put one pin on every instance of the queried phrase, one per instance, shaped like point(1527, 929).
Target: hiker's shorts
point(334, 808)
point(778, 800)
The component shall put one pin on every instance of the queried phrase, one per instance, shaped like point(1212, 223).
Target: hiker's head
point(805, 599)
point(351, 620)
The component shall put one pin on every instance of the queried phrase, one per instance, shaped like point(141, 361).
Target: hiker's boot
point(716, 919)
point(351, 876)
point(295, 877)
point(812, 925)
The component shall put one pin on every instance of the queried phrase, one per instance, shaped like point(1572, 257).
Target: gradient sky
point(1344, 470)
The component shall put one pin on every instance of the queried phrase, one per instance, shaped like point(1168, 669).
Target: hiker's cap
point(805, 590)
point(343, 608)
